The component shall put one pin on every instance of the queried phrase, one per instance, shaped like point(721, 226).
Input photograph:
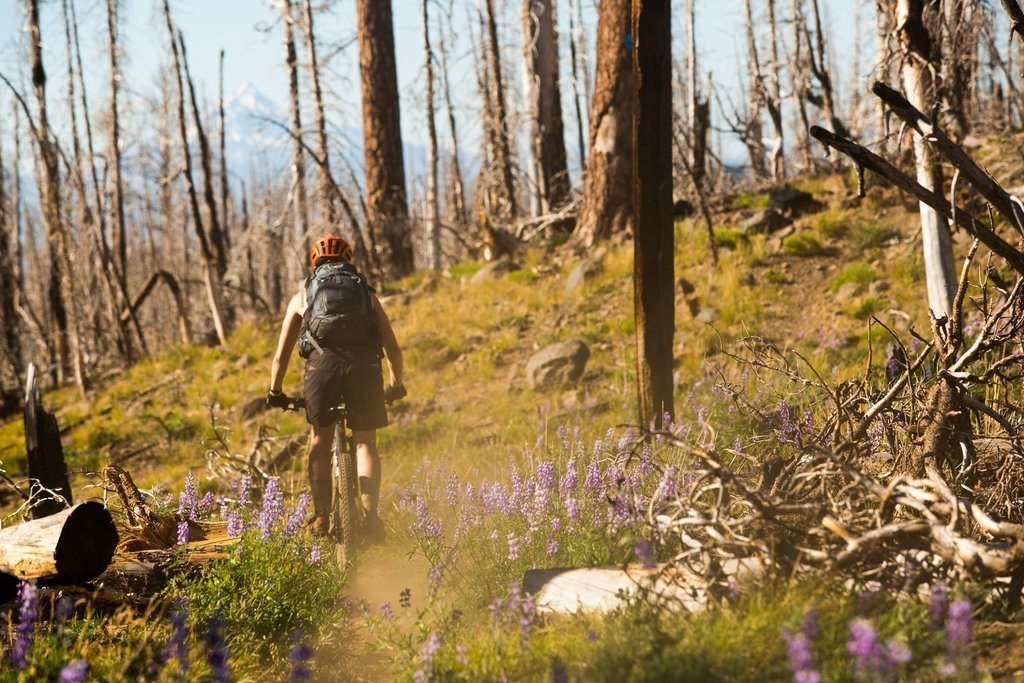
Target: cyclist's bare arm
point(390, 342)
point(290, 328)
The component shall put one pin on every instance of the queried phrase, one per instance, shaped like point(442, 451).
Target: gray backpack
point(339, 312)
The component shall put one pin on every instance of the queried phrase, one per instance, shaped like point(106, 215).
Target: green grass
point(803, 244)
point(860, 273)
point(749, 200)
point(730, 238)
point(869, 235)
point(867, 307)
point(832, 224)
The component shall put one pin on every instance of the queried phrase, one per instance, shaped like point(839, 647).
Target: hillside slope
point(811, 285)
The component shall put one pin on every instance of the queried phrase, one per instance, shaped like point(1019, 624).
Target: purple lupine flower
point(514, 545)
point(236, 524)
point(666, 490)
point(460, 655)
point(938, 601)
point(386, 612)
point(177, 644)
point(431, 647)
point(434, 577)
point(960, 626)
point(74, 672)
point(298, 514)
point(593, 480)
point(570, 480)
point(546, 476)
point(896, 653)
point(217, 654)
point(188, 499)
point(243, 490)
point(64, 610)
point(451, 490)
point(28, 614)
point(798, 651)
point(300, 655)
point(572, 509)
point(809, 625)
point(644, 553)
point(552, 546)
point(272, 507)
point(182, 532)
point(316, 555)
point(863, 645)
point(734, 588)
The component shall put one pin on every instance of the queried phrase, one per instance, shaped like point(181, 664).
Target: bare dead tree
point(299, 243)
point(799, 75)
point(456, 185)
point(225, 194)
point(918, 67)
point(821, 68)
point(211, 271)
point(114, 153)
point(61, 288)
point(773, 96)
point(577, 56)
point(10, 342)
point(542, 93)
point(433, 213)
point(750, 128)
point(502, 151)
point(327, 205)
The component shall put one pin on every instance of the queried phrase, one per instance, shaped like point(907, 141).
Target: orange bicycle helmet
point(330, 246)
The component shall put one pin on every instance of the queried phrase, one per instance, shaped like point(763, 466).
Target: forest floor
point(812, 287)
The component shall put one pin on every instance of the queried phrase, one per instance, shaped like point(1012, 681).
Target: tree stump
point(46, 466)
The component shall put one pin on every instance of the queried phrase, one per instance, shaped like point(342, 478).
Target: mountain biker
point(341, 329)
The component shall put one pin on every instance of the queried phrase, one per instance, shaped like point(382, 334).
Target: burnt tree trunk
point(10, 341)
point(608, 186)
point(114, 155)
point(653, 233)
point(545, 128)
point(457, 186)
point(325, 189)
point(51, 491)
point(502, 151)
point(386, 204)
point(225, 194)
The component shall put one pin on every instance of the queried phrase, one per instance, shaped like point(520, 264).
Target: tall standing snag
point(653, 233)
point(918, 68)
point(386, 205)
point(608, 184)
point(300, 212)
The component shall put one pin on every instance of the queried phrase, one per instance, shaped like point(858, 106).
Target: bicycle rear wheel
point(346, 487)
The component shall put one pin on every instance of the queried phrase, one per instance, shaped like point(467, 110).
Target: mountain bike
point(347, 514)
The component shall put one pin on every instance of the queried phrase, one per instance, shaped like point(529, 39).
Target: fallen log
point(72, 546)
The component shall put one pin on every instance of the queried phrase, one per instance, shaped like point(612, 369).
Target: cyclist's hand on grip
point(395, 392)
point(278, 399)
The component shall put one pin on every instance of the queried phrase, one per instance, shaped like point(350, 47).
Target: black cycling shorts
point(334, 378)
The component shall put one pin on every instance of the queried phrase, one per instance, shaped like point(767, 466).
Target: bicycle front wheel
point(346, 491)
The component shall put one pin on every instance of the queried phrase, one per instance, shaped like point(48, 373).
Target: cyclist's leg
point(368, 467)
point(320, 442)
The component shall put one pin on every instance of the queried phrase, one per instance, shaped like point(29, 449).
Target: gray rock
point(707, 315)
point(494, 270)
point(765, 221)
point(879, 287)
point(847, 291)
point(243, 361)
point(557, 364)
point(584, 270)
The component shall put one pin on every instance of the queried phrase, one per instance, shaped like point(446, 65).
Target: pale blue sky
point(251, 35)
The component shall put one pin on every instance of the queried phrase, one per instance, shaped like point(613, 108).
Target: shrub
point(860, 273)
point(523, 275)
point(464, 269)
point(730, 238)
point(866, 308)
point(870, 236)
point(832, 224)
point(749, 200)
point(803, 244)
